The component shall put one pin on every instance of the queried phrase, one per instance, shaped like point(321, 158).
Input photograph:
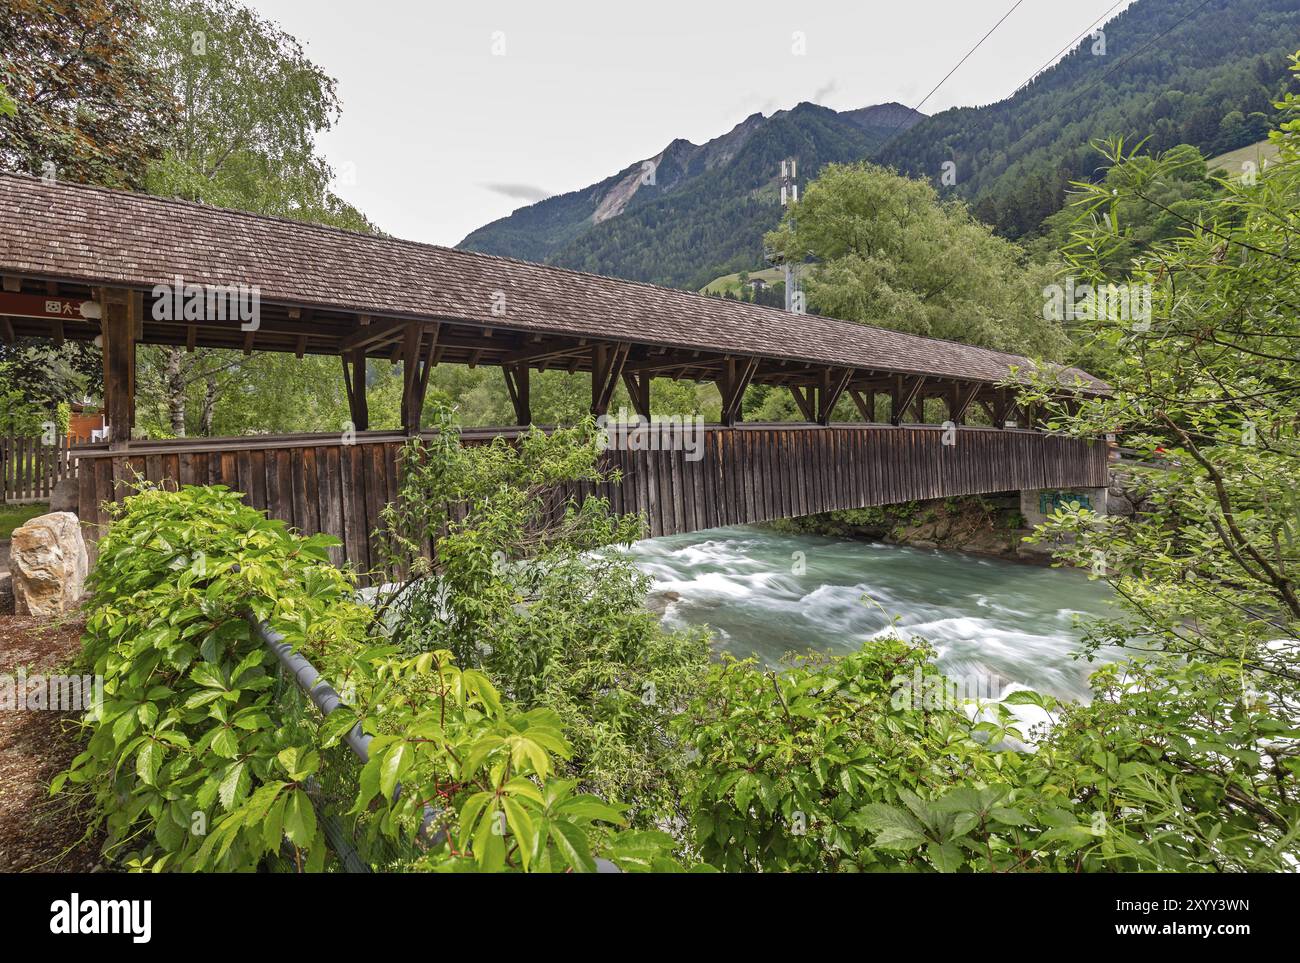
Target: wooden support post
point(902, 395)
point(832, 387)
point(416, 365)
point(412, 403)
point(866, 402)
point(354, 379)
point(606, 369)
point(959, 402)
point(638, 389)
point(118, 348)
point(1003, 407)
point(517, 386)
point(734, 379)
point(803, 397)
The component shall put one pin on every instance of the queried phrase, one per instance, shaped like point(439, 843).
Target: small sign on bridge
point(47, 306)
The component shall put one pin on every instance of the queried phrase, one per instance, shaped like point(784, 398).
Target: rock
point(48, 563)
point(65, 496)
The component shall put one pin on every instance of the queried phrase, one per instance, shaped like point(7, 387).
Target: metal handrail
point(326, 698)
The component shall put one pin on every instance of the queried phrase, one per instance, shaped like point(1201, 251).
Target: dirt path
point(37, 832)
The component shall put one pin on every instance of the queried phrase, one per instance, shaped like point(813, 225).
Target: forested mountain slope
point(705, 209)
point(1201, 72)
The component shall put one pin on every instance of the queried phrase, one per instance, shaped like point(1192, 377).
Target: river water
point(770, 594)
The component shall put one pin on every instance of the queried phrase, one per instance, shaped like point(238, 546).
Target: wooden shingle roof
point(70, 232)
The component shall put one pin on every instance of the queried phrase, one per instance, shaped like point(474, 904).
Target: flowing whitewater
point(768, 594)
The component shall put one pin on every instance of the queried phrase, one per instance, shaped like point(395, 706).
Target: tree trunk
point(175, 379)
point(209, 406)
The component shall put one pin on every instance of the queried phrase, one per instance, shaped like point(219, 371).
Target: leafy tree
point(252, 103)
point(45, 373)
point(80, 101)
point(222, 392)
point(1181, 196)
point(1206, 388)
point(889, 252)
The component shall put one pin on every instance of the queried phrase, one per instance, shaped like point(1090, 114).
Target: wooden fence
point(746, 474)
point(29, 468)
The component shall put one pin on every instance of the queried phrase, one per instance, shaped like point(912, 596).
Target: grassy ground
point(1231, 162)
point(731, 282)
point(13, 516)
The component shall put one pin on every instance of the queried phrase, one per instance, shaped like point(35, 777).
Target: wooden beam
point(354, 378)
point(803, 397)
point(431, 353)
point(411, 403)
point(118, 349)
point(735, 378)
point(902, 394)
point(606, 369)
point(417, 353)
point(534, 357)
point(371, 335)
point(517, 385)
point(638, 389)
point(866, 402)
point(960, 401)
point(829, 392)
point(1004, 406)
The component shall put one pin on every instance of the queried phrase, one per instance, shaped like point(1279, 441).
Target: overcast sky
point(455, 113)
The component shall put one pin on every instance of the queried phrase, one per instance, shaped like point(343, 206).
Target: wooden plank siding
point(750, 473)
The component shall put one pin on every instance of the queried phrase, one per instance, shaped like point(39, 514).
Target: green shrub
point(197, 759)
point(846, 764)
point(516, 589)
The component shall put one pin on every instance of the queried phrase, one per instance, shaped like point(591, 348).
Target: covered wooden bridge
point(126, 269)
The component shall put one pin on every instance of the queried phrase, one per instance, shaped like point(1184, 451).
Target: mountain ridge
point(741, 164)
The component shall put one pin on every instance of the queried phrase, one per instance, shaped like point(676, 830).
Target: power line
point(968, 55)
point(893, 133)
point(1057, 112)
point(1069, 46)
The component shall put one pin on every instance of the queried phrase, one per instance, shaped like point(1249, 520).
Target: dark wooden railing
point(750, 473)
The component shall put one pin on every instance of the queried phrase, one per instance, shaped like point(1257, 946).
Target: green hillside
point(731, 282)
point(1174, 71)
point(1232, 162)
